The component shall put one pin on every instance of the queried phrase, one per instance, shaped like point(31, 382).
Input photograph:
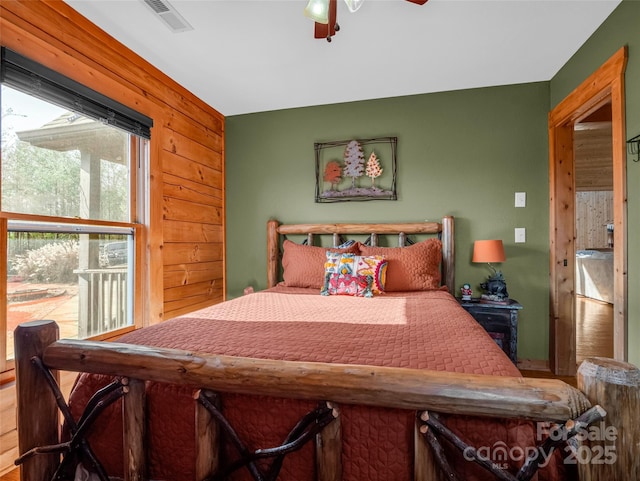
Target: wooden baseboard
point(533, 364)
point(537, 368)
point(10, 468)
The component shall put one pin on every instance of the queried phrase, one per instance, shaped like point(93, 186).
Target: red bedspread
point(423, 330)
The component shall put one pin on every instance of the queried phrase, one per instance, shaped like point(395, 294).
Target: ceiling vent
point(169, 15)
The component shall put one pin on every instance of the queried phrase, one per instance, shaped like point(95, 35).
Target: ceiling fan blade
point(329, 30)
point(419, 2)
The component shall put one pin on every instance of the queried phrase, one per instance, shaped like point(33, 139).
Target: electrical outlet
point(520, 235)
point(521, 199)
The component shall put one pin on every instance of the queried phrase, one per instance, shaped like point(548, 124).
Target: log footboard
point(536, 459)
point(420, 390)
point(312, 424)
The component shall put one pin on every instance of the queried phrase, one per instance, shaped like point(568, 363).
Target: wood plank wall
point(8, 431)
point(8, 428)
point(593, 157)
point(593, 211)
point(187, 147)
point(594, 182)
point(193, 240)
point(183, 264)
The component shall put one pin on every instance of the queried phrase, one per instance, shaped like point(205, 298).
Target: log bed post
point(425, 465)
point(37, 408)
point(329, 449)
point(208, 437)
point(134, 430)
point(615, 453)
point(273, 253)
point(448, 254)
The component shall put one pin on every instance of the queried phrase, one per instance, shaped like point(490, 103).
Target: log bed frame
point(613, 385)
point(444, 230)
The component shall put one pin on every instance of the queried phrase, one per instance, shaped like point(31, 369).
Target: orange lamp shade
point(488, 251)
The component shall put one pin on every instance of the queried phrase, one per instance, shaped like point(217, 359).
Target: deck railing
point(102, 300)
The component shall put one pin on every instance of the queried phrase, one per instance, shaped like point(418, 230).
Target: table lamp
point(491, 251)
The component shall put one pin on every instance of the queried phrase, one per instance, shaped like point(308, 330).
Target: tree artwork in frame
point(356, 169)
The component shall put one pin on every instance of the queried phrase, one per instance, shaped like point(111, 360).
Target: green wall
point(621, 28)
point(462, 153)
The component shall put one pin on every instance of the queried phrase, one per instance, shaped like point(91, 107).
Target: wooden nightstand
point(499, 320)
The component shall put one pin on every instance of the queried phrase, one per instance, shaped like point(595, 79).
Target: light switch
point(520, 235)
point(521, 199)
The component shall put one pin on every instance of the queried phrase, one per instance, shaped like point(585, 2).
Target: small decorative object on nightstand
point(499, 320)
point(466, 292)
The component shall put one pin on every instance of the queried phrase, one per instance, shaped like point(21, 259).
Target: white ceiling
point(248, 56)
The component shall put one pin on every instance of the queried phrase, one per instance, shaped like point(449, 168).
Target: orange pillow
point(303, 265)
point(412, 268)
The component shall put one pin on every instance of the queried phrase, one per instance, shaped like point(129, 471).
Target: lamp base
point(495, 288)
point(491, 299)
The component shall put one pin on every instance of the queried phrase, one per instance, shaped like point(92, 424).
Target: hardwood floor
point(594, 328)
point(11, 475)
point(594, 335)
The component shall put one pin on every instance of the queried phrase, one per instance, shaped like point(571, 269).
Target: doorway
point(603, 88)
point(594, 255)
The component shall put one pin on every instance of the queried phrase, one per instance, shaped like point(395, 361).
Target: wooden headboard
point(444, 230)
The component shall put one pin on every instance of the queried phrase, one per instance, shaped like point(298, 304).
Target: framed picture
point(356, 169)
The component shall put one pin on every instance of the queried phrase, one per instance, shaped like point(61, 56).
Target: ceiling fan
point(324, 14)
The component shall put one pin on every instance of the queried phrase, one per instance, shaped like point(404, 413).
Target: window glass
point(66, 184)
point(59, 163)
point(81, 281)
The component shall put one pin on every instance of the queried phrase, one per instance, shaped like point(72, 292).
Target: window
point(72, 165)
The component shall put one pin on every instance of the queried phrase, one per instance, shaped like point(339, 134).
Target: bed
point(385, 346)
point(594, 274)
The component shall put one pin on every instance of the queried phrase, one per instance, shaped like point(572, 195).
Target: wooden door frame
point(605, 85)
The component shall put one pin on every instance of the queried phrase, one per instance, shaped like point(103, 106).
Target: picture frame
point(356, 170)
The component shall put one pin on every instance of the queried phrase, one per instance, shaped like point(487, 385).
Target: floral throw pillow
point(353, 275)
